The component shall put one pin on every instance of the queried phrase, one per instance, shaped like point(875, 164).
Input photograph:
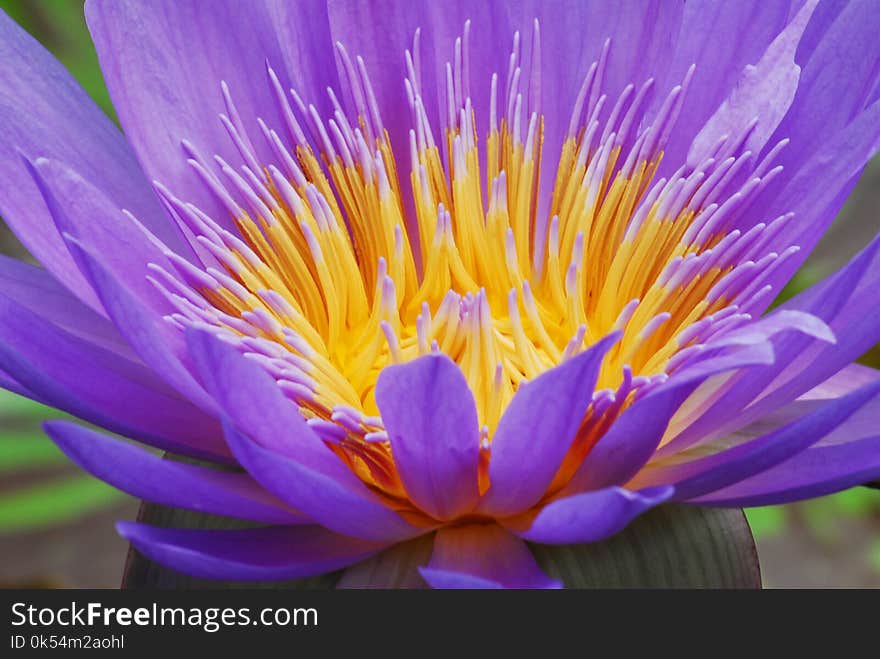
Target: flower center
point(339, 267)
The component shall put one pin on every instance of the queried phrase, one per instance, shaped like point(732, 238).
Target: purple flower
point(503, 278)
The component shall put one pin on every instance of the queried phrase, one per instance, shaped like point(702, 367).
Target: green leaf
point(672, 546)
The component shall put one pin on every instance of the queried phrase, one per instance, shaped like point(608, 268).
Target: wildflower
point(483, 274)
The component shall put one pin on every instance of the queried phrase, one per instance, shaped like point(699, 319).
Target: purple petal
point(149, 477)
point(158, 344)
point(765, 90)
point(747, 356)
point(815, 472)
point(853, 316)
point(101, 386)
point(592, 516)
point(818, 188)
point(833, 100)
point(630, 441)
point(448, 580)
point(823, 17)
point(641, 36)
point(834, 84)
point(862, 423)
point(272, 441)
point(431, 420)
point(846, 380)
point(44, 112)
point(381, 32)
point(307, 48)
point(11, 384)
point(538, 428)
point(38, 291)
point(483, 556)
point(324, 492)
point(698, 477)
point(845, 301)
point(777, 322)
point(746, 28)
point(83, 211)
point(264, 554)
point(164, 62)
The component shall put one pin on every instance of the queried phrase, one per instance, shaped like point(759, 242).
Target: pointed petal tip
point(128, 530)
point(594, 515)
point(657, 493)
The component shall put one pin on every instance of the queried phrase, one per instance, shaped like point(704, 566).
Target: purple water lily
point(487, 273)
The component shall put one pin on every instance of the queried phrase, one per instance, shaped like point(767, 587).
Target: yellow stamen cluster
point(339, 271)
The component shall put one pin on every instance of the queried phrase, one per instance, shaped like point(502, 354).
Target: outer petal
point(41, 108)
point(846, 301)
point(38, 291)
point(159, 345)
point(101, 386)
point(765, 90)
point(431, 420)
point(272, 441)
point(449, 580)
point(815, 472)
point(640, 37)
point(843, 382)
point(823, 17)
point(11, 384)
point(591, 516)
point(483, 556)
point(149, 477)
point(836, 80)
point(382, 31)
point(746, 28)
point(164, 62)
point(537, 430)
point(630, 441)
point(818, 186)
point(837, 99)
point(698, 477)
point(331, 497)
point(264, 554)
point(81, 210)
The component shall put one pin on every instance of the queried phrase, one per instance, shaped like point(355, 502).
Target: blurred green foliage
point(60, 500)
point(820, 515)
